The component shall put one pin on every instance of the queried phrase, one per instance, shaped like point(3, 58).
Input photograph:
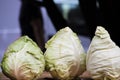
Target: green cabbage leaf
point(23, 60)
point(64, 55)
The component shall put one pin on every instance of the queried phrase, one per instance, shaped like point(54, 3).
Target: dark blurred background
point(10, 27)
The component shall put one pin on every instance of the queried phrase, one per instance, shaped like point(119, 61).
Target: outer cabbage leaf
point(23, 60)
point(103, 57)
point(65, 56)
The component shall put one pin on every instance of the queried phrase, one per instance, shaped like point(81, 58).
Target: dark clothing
point(55, 14)
point(31, 21)
point(29, 11)
point(88, 8)
point(106, 15)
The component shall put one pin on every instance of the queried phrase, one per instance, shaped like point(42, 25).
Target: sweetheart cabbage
point(64, 55)
point(23, 60)
point(103, 57)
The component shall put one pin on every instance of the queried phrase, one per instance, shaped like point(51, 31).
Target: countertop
point(47, 76)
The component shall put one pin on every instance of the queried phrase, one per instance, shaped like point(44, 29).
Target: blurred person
point(57, 18)
point(88, 8)
point(31, 21)
point(55, 15)
point(106, 14)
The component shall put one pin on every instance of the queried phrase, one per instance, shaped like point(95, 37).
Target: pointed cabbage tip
point(24, 37)
point(101, 32)
point(67, 29)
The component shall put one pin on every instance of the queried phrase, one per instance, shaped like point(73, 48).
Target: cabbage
point(23, 60)
point(64, 55)
point(103, 57)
